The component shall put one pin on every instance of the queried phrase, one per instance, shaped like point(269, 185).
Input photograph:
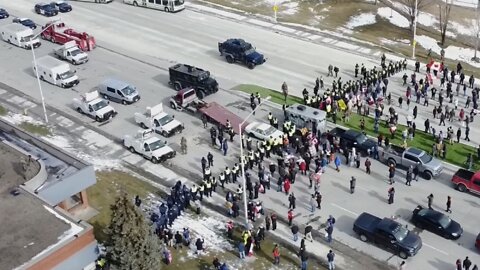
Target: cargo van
point(300, 115)
point(20, 35)
point(55, 72)
point(118, 91)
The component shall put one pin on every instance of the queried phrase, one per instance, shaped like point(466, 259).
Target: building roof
point(32, 226)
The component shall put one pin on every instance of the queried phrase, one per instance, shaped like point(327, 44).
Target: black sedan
point(46, 10)
point(436, 222)
point(26, 22)
point(3, 13)
point(62, 6)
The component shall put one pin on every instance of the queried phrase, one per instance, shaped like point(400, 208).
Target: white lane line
point(346, 210)
point(436, 249)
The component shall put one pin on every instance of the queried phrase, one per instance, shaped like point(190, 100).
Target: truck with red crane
point(61, 34)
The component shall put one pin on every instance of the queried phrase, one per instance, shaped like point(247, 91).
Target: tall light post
point(36, 71)
point(242, 165)
point(414, 42)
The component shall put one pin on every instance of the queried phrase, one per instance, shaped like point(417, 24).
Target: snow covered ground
point(464, 3)
point(361, 20)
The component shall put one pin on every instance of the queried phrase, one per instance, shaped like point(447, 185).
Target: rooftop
point(31, 226)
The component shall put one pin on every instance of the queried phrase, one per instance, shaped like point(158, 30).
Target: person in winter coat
point(308, 233)
point(186, 236)
point(178, 240)
point(295, 232)
point(224, 147)
point(353, 182)
point(230, 229)
point(286, 186)
point(167, 256)
point(338, 162)
point(267, 222)
point(199, 245)
point(291, 201)
point(290, 217)
point(241, 249)
point(303, 167)
point(276, 255)
point(273, 217)
point(391, 194)
point(312, 203)
point(319, 200)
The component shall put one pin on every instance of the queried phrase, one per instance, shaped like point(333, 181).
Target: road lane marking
point(346, 210)
point(436, 249)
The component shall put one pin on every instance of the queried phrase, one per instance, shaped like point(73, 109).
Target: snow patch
point(464, 3)
point(100, 164)
point(427, 19)
point(17, 119)
point(289, 8)
point(58, 141)
point(462, 29)
point(361, 20)
point(393, 17)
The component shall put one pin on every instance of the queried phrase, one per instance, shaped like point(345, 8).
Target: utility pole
point(414, 42)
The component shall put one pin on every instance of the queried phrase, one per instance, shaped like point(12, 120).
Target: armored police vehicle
point(236, 49)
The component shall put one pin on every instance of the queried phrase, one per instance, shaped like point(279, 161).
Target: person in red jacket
point(290, 217)
point(286, 185)
point(303, 167)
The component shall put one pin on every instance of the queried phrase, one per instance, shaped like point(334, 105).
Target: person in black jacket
point(178, 240)
point(303, 259)
point(199, 245)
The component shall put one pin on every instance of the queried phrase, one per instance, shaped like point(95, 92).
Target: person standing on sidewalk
point(295, 232)
point(409, 176)
point(319, 200)
point(331, 260)
point(352, 185)
point(449, 204)
point(312, 203)
point(241, 249)
point(304, 259)
point(391, 194)
point(416, 171)
point(368, 163)
point(290, 217)
point(308, 233)
point(467, 263)
point(391, 174)
point(430, 201)
point(273, 217)
point(276, 255)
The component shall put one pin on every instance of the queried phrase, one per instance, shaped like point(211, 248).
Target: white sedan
point(263, 131)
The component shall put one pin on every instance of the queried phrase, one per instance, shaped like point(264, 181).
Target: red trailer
point(59, 33)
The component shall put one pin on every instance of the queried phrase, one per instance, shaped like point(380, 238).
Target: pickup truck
point(429, 167)
point(387, 233)
point(70, 52)
point(94, 106)
point(351, 138)
point(467, 180)
point(156, 118)
point(149, 146)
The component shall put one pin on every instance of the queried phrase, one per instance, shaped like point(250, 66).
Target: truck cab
point(149, 146)
point(157, 119)
point(94, 106)
point(236, 49)
point(183, 76)
point(70, 52)
point(387, 233)
point(465, 180)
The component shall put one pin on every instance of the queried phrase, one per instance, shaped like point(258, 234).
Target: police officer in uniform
point(227, 175)
point(270, 118)
point(275, 122)
point(214, 184)
point(221, 177)
point(249, 143)
point(207, 174)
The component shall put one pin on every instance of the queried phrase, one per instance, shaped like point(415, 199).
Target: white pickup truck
point(94, 106)
point(157, 119)
point(149, 146)
point(70, 52)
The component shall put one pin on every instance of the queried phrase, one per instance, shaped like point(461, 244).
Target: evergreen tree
point(131, 244)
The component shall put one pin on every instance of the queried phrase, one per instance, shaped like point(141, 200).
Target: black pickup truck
point(351, 138)
point(387, 233)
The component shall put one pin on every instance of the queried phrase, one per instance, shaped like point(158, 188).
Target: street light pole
point(36, 72)
point(242, 164)
point(414, 42)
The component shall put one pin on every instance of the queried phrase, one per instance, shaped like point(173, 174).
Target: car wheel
point(461, 188)
point(167, 10)
point(173, 106)
point(41, 78)
point(52, 39)
point(79, 110)
point(251, 65)
point(177, 86)
point(135, 4)
point(403, 255)
point(200, 94)
point(97, 119)
point(124, 102)
point(428, 175)
point(250, 134)
point(230, 59)
point(155, 160)
point(143, 126)
point(363, 238)
point(131, 149)
point(391, 161)
point(164, 133)
point(74, 62)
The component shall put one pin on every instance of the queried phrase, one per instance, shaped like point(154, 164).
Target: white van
point(118, 91)
point(20, 35)
point(55, 72)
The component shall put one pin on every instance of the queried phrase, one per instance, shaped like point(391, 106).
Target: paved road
point(160, 46)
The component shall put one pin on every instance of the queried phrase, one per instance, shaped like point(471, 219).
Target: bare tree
point(444, 17)
point(409, 9)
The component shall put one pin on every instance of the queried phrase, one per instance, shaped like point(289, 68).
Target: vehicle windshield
point(27, 38)
point(361, 139)
point(165, 120)
point(179, 2)
point(156, 145)
point(400, 233)
point(425, 158)
point(249, 51)
point(203, 76)
point(444, 221)
point(269, 131)
point(99, 105)
point(127, 91)
point(76, 52)
point(66, 75)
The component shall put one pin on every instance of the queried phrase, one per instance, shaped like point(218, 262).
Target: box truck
point(55, 72)
point(20, 36)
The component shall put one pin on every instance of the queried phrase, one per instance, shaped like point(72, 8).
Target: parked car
point(436, 222)
point(62, 6)
point(236, 49)
point(4, 14)
point(387, 233)
point(26, 22)
point(263, 131)
point(119, 91)
point(429, 167)
point(46, 9)
point(351, 138)
point(467, 180)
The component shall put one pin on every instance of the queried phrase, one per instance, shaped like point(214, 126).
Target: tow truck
point(94, 106)
point(61, 34)
point(156, 118)
point(149, 146)
point(187, 100)
point(70, 52)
